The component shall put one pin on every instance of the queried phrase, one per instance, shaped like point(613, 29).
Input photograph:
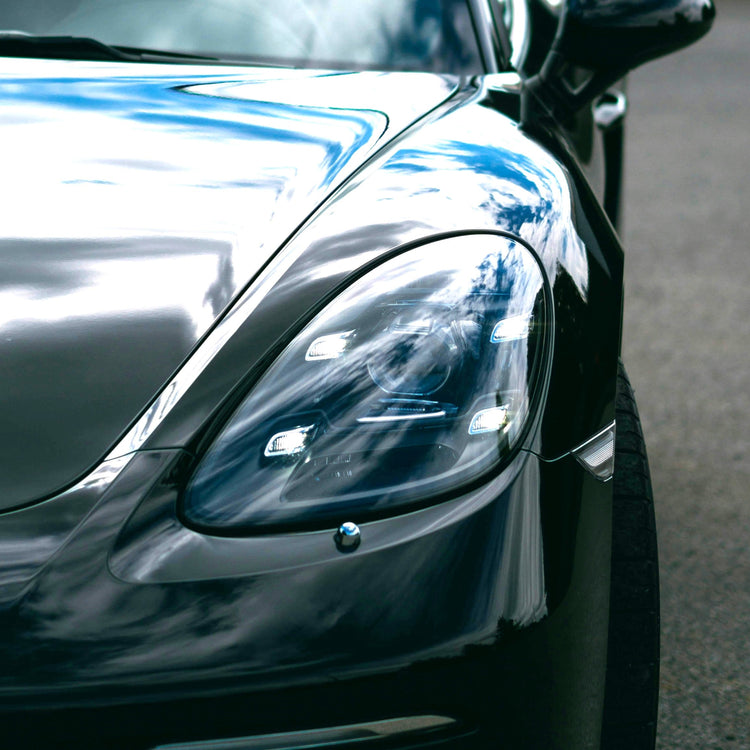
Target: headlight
point(415, 380)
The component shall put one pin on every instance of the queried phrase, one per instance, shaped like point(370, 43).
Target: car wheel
point(632, 686)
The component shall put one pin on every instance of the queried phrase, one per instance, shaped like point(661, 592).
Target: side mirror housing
point(599, 41)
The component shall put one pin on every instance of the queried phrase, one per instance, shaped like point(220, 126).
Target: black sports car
point(309, 375)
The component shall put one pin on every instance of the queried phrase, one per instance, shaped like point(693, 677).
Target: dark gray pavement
point(687, 349)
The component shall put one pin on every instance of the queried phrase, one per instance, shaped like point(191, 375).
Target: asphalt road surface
point(687, 349)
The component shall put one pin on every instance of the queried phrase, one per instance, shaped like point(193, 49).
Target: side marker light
point(597, 455)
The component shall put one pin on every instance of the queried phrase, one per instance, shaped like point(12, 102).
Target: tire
point(632, 683)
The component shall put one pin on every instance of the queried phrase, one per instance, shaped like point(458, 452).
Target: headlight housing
point(417, 379)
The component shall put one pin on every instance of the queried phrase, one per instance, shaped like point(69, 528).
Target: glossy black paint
point(113, 620)
point(598, 41)
point(521, 190)
point(121, 626)
point(196, 177)
point(124, 598)
point(621, 34)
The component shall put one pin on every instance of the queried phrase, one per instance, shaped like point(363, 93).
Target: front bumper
point(489, 610)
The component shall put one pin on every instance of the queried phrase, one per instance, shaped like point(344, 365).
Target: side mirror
point(599, 41)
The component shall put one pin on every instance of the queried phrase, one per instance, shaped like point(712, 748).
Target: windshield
point(427, 35)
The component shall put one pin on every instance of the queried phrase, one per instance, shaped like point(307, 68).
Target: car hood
point(138, 200)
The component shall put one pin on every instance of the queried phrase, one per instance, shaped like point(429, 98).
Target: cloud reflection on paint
point(137, 201)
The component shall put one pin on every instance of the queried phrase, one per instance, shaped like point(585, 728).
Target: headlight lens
point(413, 381)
